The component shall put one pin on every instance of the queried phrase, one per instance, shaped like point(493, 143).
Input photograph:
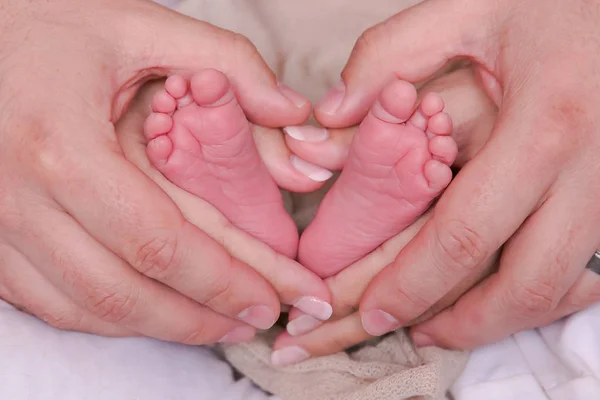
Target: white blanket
point(558, 362)
point(37, 362)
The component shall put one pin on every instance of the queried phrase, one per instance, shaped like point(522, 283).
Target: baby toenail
point(333, 99)
point(261, 317)
point(312, 171)
point(293, 96)
point(185, 101)
point(377, 322)
point(302, 324)
point(307, 133)
point(317, 308)
point(289, 355)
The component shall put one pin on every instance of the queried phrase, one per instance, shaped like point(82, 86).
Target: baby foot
point(399, 162)
point(200, 139)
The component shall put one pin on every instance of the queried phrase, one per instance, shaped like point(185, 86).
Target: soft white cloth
point(38, 362)
point(558, 362)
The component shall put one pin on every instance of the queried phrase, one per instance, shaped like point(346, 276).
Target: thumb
point(412, 45)
point(163, 42)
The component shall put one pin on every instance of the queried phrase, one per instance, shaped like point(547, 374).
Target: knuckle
point(532, 298)
point(344, 301)
point(243, 48)
point(461, 247)
point(242, 43)
point(410, 299)
point(560, 126)
point(549, 147)
point(51, 161)
point(45, 150)
point(113, 307)
point(569, 111)
point(198, 336)
point(157, 257)
point(60, 321)
point(218, 290)
point(370, 40)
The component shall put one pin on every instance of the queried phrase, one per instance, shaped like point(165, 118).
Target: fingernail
point(302, 324)
point(317, 308)
point(238, 335)
point(307, 133)
point(377, 322)
point(289, 355)
point(332, 100)
point(293, 96)
point(261, 317)
point(422, 340)
point(312, 171)
point(185, 101)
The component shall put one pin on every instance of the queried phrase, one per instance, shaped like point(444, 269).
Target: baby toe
point(396, 102)
point(159, 150)
point(437, 174)
point(157, 124)
point(431, 104)
point(163, 102)
point(444, 149)
point(440, 124)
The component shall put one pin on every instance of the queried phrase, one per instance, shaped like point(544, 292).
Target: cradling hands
point(532, 188)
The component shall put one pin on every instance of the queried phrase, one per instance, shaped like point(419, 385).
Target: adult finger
point(28, 290)
point(539, 265)
point(155, 41)
point(327, 148)
point(98, 281)
point(329, 338)
point(440, 30)
point(291, 172)
point(584, 293)
point(467, 227)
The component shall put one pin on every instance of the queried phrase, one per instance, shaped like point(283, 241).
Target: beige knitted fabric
point(390, 369)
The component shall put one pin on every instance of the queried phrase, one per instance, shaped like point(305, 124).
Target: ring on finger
point(594, 263)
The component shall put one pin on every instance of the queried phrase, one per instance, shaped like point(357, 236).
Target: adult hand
point(87, 241)
point(344, 329)
point(534, 185)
